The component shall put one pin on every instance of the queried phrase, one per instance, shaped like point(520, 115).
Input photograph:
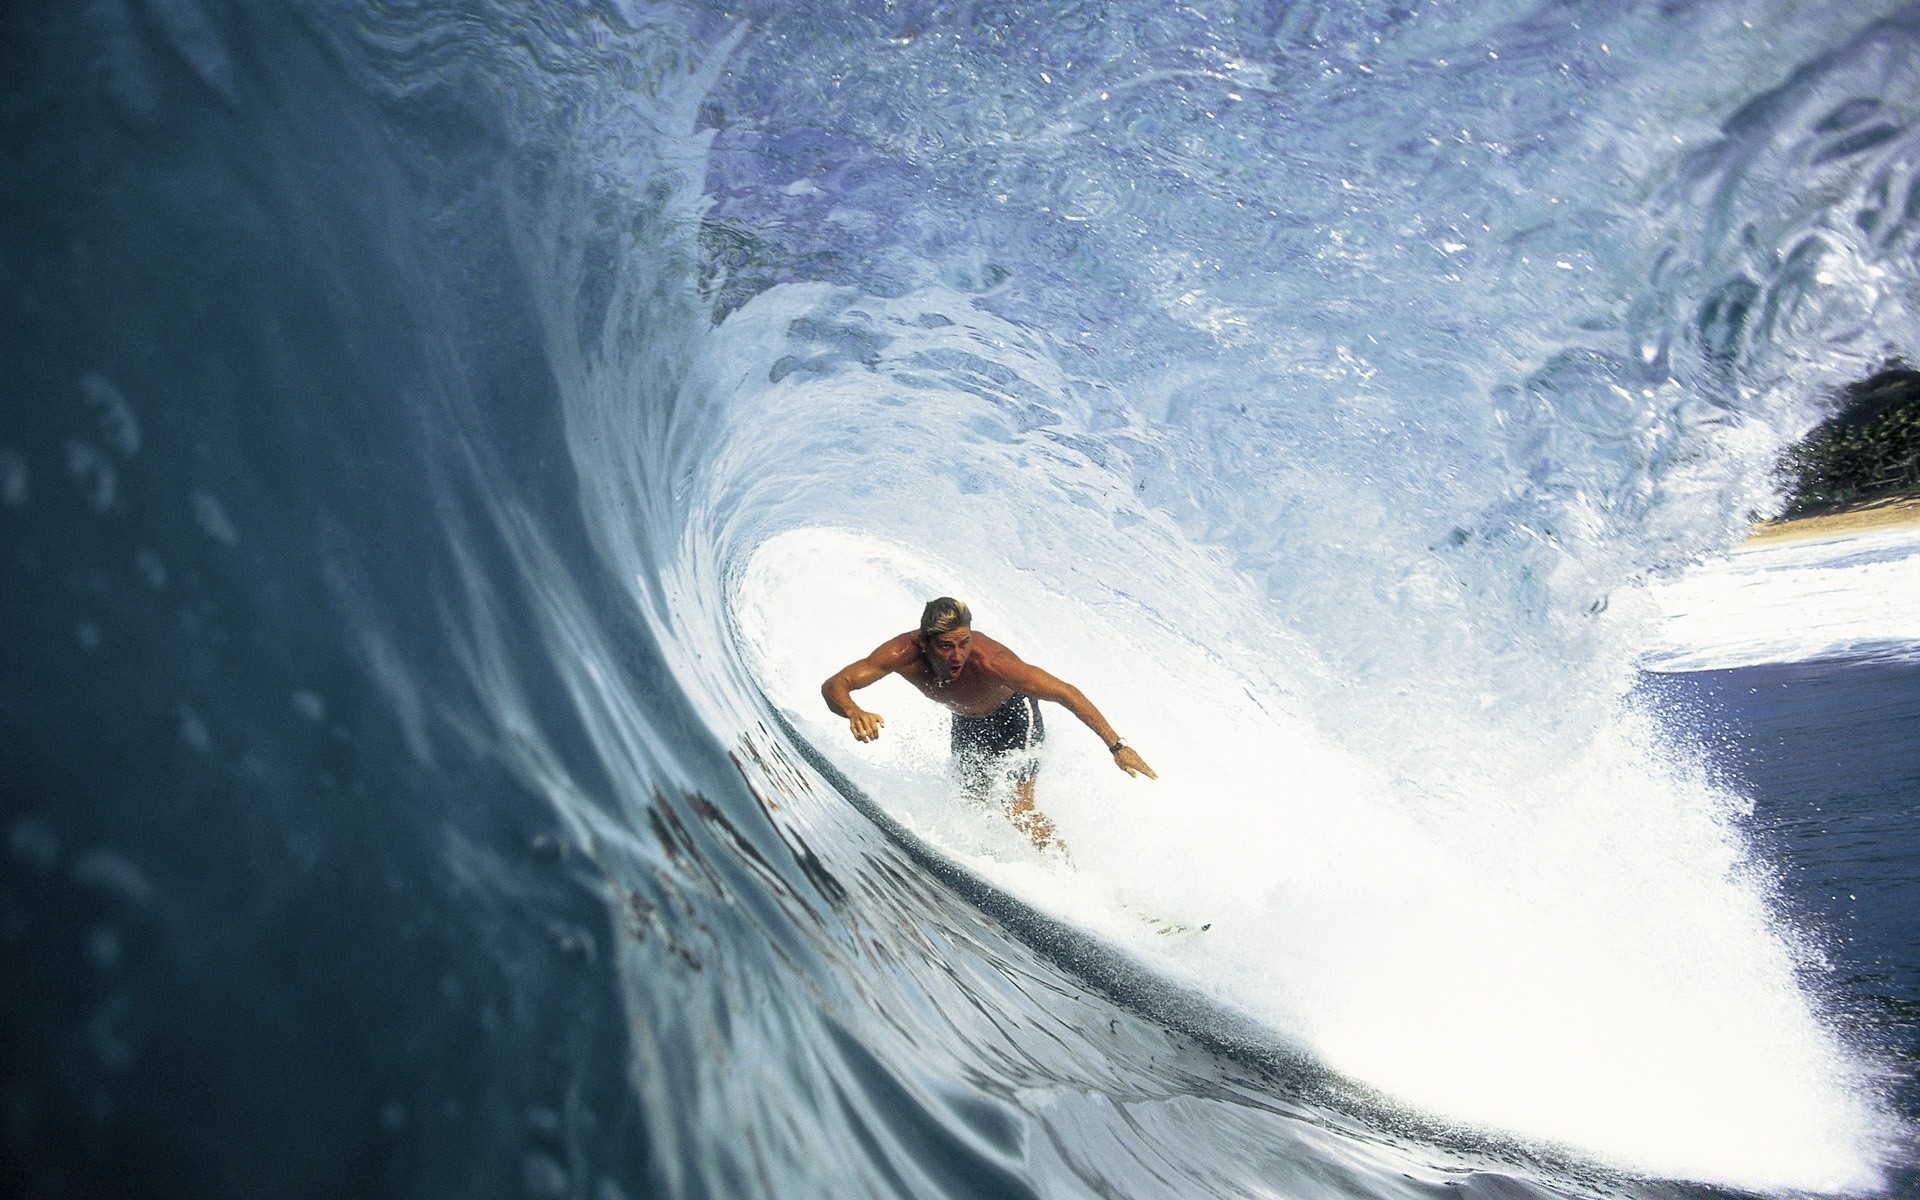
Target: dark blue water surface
point(1829, 752)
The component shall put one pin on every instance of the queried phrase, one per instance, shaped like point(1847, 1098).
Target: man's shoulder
point(897, 652)
point(993, 655)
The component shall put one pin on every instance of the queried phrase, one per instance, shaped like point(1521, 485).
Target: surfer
point(995, 698)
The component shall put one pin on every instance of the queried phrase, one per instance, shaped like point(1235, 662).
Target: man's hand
point(1129, 761)
point(865, 725)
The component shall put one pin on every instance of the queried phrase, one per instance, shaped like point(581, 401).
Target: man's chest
point(973, 693)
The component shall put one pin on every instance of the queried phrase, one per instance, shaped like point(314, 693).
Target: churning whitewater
point(548, 397)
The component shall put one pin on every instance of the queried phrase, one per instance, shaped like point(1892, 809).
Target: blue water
point(444, 446)
point(1826, 752)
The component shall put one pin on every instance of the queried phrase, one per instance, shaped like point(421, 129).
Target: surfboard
point(1175, 930)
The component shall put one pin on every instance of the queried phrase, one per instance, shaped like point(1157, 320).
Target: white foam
point(1573, 952)
point(1851, 596)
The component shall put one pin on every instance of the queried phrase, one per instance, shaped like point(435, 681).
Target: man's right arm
point(838, 690)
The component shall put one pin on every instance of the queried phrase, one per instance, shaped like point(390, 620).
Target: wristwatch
point(1119, 744)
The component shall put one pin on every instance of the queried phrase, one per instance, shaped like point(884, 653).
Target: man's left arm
point(1042, 685)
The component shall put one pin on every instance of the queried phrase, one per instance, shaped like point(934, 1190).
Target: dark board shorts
point(1000, 744)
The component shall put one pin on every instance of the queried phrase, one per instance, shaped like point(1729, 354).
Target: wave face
point(457, 441)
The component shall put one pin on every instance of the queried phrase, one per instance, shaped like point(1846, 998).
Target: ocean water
point(445, 447)
point(1803, 692)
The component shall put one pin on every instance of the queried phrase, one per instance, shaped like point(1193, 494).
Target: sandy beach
point(1862, 518)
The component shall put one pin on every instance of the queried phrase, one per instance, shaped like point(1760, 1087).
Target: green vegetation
point(1868, 450)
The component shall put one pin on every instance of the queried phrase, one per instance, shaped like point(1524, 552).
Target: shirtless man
point(995, 701)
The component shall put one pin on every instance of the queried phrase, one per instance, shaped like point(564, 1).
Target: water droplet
point(213, 518)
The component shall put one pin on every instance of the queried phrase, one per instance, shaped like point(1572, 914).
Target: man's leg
point(980, 747)
point(979, 788)
point(1026, 818)
point(1029, 731)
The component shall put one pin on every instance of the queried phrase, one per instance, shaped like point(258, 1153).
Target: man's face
point(948, 652)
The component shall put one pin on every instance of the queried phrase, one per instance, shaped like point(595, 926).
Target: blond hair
point(943, 615)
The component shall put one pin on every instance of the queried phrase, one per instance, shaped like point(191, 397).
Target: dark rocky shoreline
point(1865, 454)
